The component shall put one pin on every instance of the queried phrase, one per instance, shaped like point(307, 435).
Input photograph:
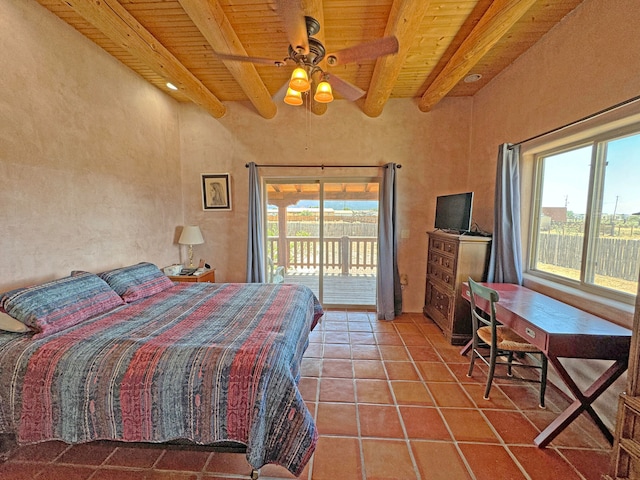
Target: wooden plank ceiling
point(440, 44)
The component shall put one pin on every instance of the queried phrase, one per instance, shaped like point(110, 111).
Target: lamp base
point(191, 265)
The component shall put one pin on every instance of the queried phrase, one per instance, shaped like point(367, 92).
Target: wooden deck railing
point(344, 253)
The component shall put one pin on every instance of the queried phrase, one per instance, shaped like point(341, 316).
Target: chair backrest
point(477, 314)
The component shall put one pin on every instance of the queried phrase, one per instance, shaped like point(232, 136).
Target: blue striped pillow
point(136, 281)
point(54, 306)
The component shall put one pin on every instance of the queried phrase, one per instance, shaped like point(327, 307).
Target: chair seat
point(507, 339)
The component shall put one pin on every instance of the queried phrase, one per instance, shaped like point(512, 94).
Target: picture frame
point(216, 191)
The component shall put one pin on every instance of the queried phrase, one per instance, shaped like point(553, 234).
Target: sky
point(567, 178)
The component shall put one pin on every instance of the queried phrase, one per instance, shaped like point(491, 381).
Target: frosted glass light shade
point(191, 235)
point(323, 93)
point(292, 97)
point(299, 80)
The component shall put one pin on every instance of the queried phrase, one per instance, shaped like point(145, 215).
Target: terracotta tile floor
point(391, 401)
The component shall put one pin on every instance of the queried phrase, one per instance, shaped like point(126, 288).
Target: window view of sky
point(566, 178)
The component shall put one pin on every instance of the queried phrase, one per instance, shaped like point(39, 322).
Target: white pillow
point(10, 324)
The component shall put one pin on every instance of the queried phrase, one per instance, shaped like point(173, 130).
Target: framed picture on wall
point(216, 191)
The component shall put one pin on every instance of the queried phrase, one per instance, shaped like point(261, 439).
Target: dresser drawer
point(451, 260)
point(439, 304)
point(443, 261)
point(443, 245)
point(442, 274)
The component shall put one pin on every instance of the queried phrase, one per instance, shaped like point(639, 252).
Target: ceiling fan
point(307, 52)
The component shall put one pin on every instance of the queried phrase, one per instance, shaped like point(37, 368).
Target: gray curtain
point(389, 303)
point(505, 263)
point(255, 239)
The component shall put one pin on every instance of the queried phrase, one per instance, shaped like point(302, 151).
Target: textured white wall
point(89, 155)
point(432, 149)
point(586, 63)
point(100, 169)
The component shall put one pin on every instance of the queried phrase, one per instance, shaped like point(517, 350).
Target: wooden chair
point(500, 341)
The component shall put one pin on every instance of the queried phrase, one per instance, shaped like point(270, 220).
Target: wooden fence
point(615, 257)
point(331, 229)
point(344, 253)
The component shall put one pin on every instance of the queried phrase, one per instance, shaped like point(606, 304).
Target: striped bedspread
point(203, 362)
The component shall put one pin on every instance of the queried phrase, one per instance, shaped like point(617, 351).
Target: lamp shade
point(191, 235)
point(292, 97)
point(300, 80)
point(323, 93)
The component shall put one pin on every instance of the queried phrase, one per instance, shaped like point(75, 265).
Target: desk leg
point(583, 401)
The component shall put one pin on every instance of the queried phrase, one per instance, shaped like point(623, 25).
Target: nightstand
point(207, 276)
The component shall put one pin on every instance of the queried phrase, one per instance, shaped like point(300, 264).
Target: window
point(586, 228)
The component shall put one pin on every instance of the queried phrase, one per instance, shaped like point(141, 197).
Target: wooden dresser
point(625, 456)
point(451, 260)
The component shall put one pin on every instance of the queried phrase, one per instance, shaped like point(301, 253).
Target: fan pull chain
point(307, 105)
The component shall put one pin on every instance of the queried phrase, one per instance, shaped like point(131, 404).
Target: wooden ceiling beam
point(404, 22)
point(113, 20)
point(494, 24)
point(215, 27)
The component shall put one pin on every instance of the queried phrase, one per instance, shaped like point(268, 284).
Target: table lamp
point(191, 235)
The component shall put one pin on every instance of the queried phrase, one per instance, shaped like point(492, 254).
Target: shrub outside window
point(586, 228)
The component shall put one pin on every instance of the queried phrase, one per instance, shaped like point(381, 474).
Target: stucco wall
point(586, 63)
point(431, 148)
point(89, 155)
point(99, 168)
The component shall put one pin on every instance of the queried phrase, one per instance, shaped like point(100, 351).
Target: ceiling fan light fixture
point(323, 92)
point(293, 97)
point(300, 80)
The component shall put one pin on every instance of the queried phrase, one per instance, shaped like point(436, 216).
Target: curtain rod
point(576, 122)
point(288, 165)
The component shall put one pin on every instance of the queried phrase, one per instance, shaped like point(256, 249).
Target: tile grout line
point(414, 463)
point(443, 418)
point(519, 399)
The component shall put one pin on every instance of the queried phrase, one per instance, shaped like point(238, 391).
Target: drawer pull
point(530, 332)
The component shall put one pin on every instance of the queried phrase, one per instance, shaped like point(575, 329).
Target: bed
point(130, 356)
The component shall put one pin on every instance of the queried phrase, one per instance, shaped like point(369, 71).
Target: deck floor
point(339, 290)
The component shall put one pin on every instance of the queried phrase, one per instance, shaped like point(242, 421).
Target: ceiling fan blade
point(346, 89)
point(242, 58)
point(295, 24)
point(364, 51)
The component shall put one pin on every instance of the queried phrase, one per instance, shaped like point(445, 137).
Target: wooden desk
point(562, 331)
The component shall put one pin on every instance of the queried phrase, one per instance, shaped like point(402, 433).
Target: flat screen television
point(453, 212)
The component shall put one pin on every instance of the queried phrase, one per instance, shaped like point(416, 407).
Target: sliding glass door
point(323, 234)
point(293, 233)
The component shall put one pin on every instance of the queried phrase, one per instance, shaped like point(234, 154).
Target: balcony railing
point(345, 254)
